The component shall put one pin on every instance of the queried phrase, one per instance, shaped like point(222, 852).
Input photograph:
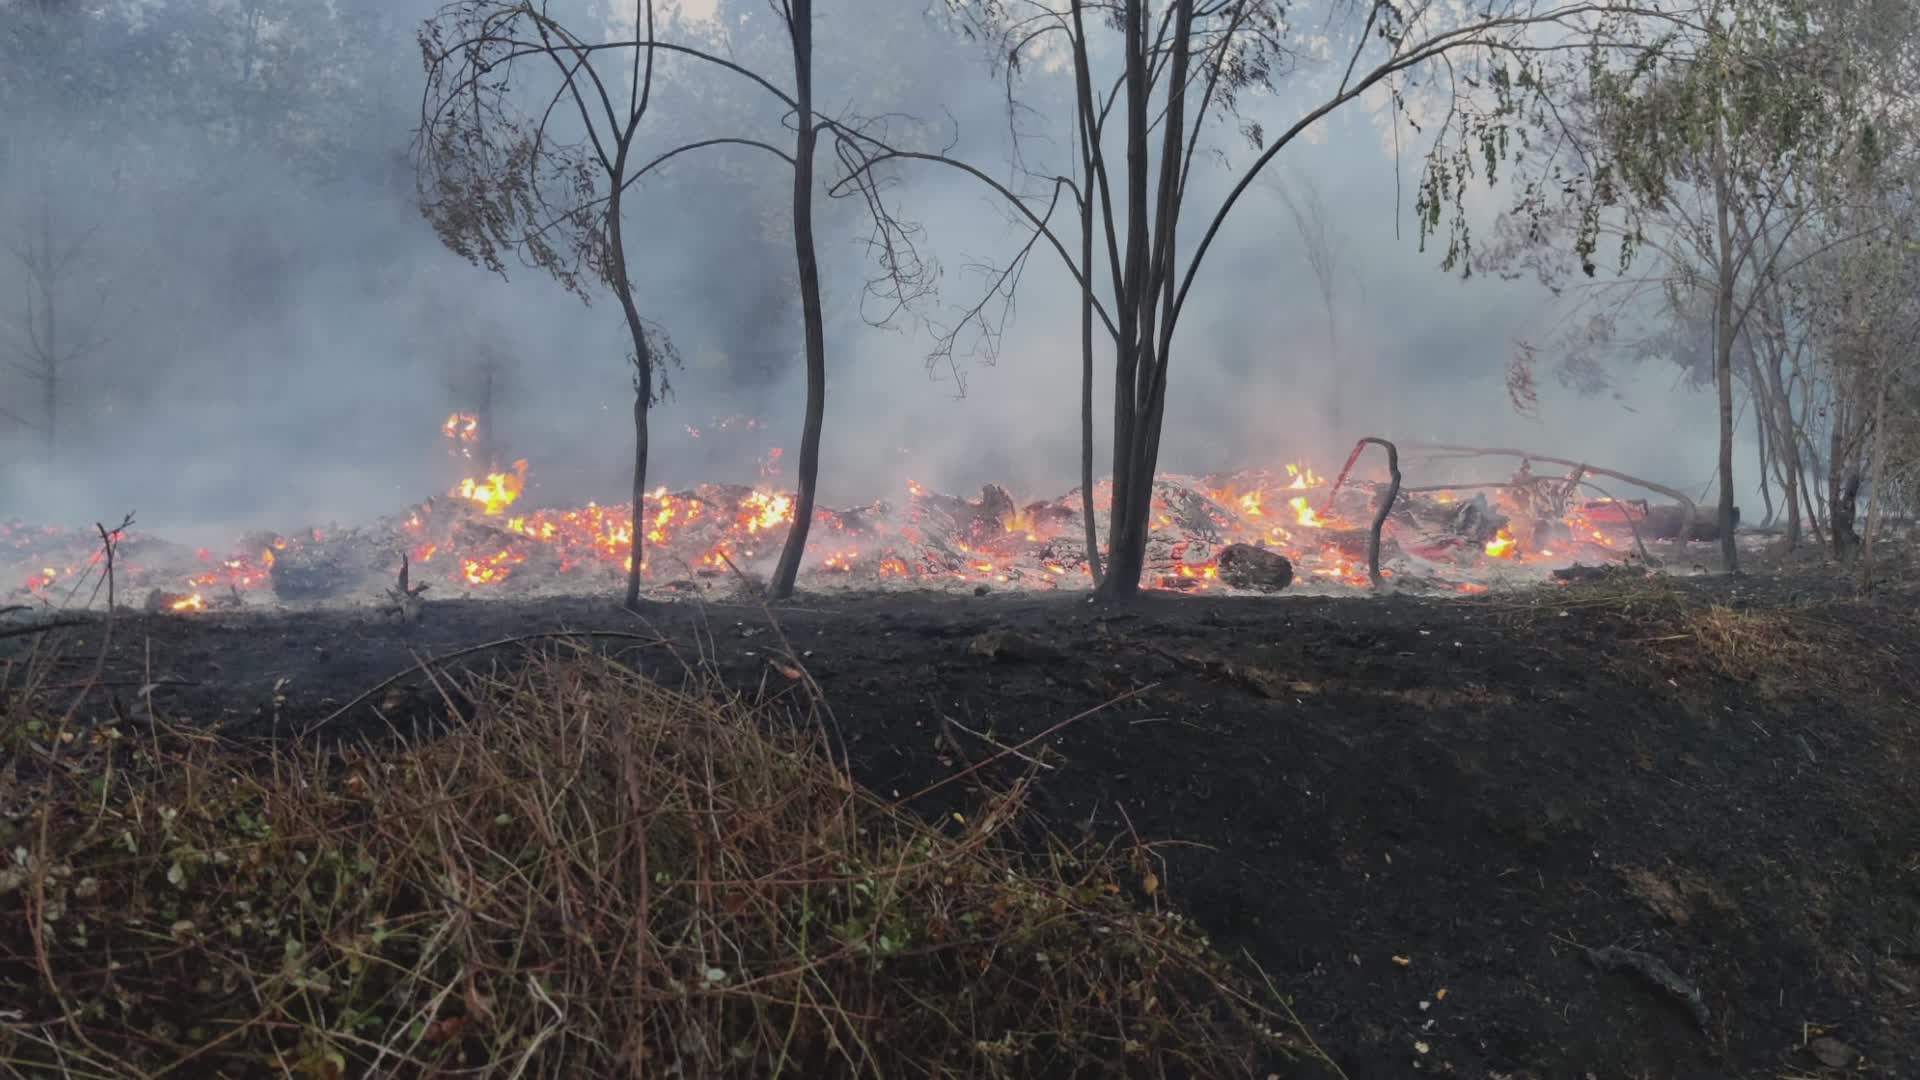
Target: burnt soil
point(1385, 802)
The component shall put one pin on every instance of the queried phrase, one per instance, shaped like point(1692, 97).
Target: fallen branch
point(1581, 467)
point(1386, 504)
point(1654, 971)
point(1638, 541)
point(1023, 744)
point(995, 743)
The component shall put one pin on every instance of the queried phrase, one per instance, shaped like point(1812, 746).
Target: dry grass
point(1754, 646)
point(1775, 649)
point(594, 876)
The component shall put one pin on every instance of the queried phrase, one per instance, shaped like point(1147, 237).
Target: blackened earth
point(1410, 813)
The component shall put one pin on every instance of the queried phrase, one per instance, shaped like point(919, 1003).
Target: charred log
point(1244, 566)
point(1666, 522)
point(950, 518)
point(1475, 521)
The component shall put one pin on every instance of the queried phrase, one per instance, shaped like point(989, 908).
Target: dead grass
point(1775, 649)
point(1758, 646)
point(592, 876)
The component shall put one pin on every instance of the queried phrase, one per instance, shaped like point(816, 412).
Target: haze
point(265, 334)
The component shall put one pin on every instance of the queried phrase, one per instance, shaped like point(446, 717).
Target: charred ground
point(1411, 813)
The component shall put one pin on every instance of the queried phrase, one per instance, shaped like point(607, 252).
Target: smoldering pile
point(1249, 531)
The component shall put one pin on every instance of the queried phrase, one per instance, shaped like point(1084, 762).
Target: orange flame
point(497, 491)
point(1501, 546)
point(1019, 521)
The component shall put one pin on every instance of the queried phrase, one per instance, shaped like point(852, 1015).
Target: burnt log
point(944, 519)
point(1244, 566)
point(1665, 522)
point(1475, 520)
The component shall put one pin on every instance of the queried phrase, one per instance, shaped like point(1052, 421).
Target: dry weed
point(593, 876)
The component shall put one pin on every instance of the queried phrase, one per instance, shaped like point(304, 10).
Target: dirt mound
point(1458, 833)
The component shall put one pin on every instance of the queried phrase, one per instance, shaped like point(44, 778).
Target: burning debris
point(1253, 531)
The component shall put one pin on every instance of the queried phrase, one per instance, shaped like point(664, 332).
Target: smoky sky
point(274, 333)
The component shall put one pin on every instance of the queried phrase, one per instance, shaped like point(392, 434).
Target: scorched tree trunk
point(787, 571)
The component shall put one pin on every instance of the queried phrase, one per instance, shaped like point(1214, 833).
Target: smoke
point(274, 335)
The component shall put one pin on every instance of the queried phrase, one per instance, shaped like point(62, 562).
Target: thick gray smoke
point(208, 224)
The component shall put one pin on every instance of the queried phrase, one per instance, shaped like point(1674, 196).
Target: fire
point(497, 491)
point(1020, 521)
point(481, 537)
point(763, 510)
point(491, 570)
point(461, 427)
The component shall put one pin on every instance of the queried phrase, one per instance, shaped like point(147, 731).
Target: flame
point(1021, 522)
point(766, 510)
point(496, 492)
point(704, 529)
point(461, 427)
point(188, 603)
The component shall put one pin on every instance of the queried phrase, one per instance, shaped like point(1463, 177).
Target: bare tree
point(61, 314)
point(532, 216)
point(547, 184)
point(1186, 62)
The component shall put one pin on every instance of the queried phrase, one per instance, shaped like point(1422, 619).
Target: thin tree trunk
point(642, 384)
point(1088, 148)
point(1149, 281)
point(1126, 541)
point(1786, 447)
point(1812, 496)
point(1762, 425)
point(787, 571)
point(1723, 354)
point(1760, 446)
point(1877, 461)
point(51, 373)
point(1843, 489)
